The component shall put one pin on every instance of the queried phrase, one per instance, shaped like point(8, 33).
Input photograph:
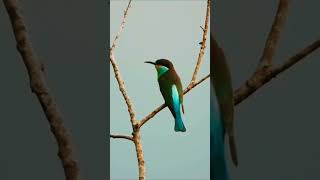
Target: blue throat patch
point(161, 70)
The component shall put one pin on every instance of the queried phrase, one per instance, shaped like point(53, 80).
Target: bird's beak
point(150, 62)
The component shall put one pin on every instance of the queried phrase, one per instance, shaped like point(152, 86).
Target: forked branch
point(257, 81)
point(265, 70)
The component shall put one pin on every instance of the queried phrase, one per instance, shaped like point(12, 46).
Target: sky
point(154, 30)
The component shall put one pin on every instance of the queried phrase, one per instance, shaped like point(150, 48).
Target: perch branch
point(259, 80)
point(120, 136)
point(39, 87)
point(203, 44)
point(274, 34)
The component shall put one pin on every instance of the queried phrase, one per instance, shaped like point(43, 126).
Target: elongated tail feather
point(179, 126)
point(233, 149)
point(217, 155)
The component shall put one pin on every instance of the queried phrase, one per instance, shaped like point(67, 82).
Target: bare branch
point(122, 88)
point(296, 58)
point(121, 26)
point(39, 87)
point(158, 109)
point(203, 44)
point(260, 79)
point(117, 71)
point(120, 136)
point(135, 125)
point(274, 35)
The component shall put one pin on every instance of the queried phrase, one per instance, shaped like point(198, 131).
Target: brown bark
point(139, 150)
point(41, 90)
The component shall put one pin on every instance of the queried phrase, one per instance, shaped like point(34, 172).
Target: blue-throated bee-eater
point(171, 90)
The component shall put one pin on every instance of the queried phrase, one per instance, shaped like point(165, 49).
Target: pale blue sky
point(154, 30)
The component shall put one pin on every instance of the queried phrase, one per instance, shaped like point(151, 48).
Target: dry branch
point(274, 34)
point(203, 44)
point(120, 136)
point(117, 71)
point(257, 81)
point(122, 88)
point(39, 87)
point(121, 26)
point(135, 125)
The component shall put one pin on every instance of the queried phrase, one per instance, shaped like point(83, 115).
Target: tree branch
point(264, 73)
point(203, 44)
point(135, 125)
point(120, 136)
point(296, 58)
point(122, 89)
point(121, 26)
point(274, 34)
point(39, 87)
point(117, 71)
point(257, 81)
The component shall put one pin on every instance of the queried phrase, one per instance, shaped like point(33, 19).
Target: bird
point(221, 118)
point(171, 90)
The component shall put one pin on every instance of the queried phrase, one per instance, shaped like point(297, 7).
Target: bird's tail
point(218, 164)
point(179, 126)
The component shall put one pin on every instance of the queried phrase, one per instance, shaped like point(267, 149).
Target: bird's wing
point(166, 90)
point(175, 98)
point(180, 90)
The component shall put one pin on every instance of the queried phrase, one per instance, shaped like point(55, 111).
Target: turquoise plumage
point(171, 90)
point(221, 117)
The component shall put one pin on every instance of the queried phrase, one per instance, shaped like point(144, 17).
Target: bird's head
point(162, 66)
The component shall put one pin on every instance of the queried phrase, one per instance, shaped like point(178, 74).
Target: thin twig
point(120, 136)
point(121, 26)
point(296, 58)
point(203, 44)
point(39, 87)
point(158, 109)
point(274, 34)
point(259, 80)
